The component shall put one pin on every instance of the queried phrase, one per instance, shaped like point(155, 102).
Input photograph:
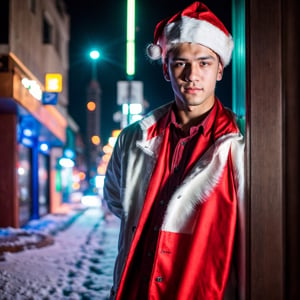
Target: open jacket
point(204, 220)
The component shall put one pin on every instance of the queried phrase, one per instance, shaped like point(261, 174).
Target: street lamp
point(94, 55)
point(93, 103)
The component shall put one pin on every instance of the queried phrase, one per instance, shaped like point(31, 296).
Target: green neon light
point(130, 59)
point(130, 54)
point(239, 62)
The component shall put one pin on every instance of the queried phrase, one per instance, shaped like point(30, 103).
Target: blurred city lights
point(27, 132)
point(69, 153)
point(130, 61)
point(111, 141)
point(82, 175)
point(76, 185)
point(66, 162)
point(91, 201)
point(135, 108)
point(33, 87)
point(116, 132)
point(44, 147)
point(107, 149)
point(95, 139)
point(53, 82)
point(21, 171)
point(106, 158)
point(91, 105)
point(94, 54)
point(99, 181)
point(135, 118)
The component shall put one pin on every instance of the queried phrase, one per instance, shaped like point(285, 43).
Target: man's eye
point(204, 63)
point(179, 64)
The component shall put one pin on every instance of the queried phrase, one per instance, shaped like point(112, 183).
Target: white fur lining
point(201, 32)
point(198, 185)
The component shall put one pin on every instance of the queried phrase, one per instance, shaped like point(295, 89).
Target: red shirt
point(183, 150)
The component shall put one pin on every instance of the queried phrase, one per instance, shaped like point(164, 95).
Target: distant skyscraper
point(93, 108)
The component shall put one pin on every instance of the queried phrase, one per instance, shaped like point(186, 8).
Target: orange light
point(95, 139)
point(101, 169)
point(81, 175)
point(106, 158)
point(116, 132)
point(76, 185)
point(107, 149)
point(91, 105)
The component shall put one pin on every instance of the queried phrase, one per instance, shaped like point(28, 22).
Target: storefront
point(32, 136)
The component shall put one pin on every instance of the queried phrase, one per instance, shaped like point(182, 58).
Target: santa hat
point(194, 24)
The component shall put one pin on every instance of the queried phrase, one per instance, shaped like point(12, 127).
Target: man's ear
point(166, 72)
point(220, 71)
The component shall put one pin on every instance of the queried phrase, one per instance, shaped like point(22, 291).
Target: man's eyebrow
point(208, 57)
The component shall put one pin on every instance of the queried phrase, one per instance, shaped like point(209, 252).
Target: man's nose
point(192, 72)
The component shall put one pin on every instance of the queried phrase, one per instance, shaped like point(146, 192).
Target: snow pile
point(78, 265)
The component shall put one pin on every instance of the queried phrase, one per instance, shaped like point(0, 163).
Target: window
point(4, 15)
point(57, 42)
point(32, 4)
point(60, 7)
point(47, 31)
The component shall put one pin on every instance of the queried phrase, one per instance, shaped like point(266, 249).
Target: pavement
point(39, 233)
point(78, 265)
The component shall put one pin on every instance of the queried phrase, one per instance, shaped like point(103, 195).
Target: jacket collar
point(155, 123)
point(152, 135)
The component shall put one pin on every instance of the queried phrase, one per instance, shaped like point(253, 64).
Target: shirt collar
point(204, 125)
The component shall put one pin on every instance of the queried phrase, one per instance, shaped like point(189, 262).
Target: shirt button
point(158, 279)
point(156, 228)
point(176, 169)
point(161, 202)
point(183, 143)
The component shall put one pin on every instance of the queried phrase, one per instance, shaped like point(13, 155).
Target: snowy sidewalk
point(78, 265)
point(38, 233)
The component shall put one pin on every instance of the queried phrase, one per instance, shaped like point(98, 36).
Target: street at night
point(163, 135)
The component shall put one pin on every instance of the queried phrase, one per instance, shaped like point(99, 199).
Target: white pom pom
point(154, 51)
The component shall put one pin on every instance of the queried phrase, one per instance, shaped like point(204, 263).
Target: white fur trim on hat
point(192, 30)
point(154, 51)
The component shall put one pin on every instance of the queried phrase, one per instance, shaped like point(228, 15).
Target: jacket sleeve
point(112, 183)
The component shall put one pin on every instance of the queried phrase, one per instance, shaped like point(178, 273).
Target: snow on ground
point(79, 265)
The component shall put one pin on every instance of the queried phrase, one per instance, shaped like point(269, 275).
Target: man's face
point(193, 71)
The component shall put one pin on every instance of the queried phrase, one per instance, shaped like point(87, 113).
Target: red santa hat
point(194, 24)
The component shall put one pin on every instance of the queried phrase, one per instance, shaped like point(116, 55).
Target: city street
point(78, 265)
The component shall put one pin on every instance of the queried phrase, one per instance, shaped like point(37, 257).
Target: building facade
point(34, 41)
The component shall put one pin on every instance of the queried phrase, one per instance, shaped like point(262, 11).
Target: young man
point(176, 177)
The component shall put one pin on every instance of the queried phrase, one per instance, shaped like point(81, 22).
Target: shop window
point(43, 174)
point(24, 169)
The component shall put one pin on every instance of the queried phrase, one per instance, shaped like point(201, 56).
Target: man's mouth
point(192, 90)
